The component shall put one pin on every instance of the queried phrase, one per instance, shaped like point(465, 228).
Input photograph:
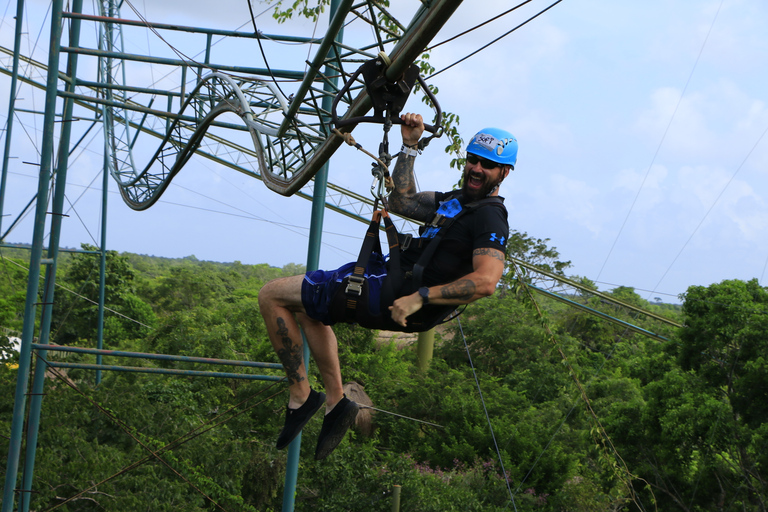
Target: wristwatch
point(424, 293)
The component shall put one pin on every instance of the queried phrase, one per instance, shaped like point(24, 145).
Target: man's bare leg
point(325, 350)
point(280, 304)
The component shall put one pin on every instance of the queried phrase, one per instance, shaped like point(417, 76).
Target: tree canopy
point(676, 425)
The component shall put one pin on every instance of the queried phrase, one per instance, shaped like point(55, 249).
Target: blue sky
point(641, 130)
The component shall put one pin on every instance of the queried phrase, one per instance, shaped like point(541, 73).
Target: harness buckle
point(437, 220)
point(355, 285)
point(405, 243)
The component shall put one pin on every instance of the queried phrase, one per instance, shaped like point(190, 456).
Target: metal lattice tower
point(271, 124)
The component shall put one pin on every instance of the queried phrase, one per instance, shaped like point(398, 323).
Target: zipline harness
point(352, 301)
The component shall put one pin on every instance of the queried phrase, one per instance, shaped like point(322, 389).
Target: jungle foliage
point(586, 415)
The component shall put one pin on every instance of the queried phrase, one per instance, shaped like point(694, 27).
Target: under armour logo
point(495, 238)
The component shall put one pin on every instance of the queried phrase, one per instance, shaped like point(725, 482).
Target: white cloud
point(651, 186)
point(573, 200)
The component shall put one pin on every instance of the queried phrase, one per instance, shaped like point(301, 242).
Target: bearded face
point(479, 181)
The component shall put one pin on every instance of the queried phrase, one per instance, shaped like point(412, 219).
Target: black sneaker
point(295, 419)
point(335, 425)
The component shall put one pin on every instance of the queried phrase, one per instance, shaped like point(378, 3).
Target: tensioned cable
point(175, 50)
point(6, 271)
point(604, 438)
point(27, 210)
point(486, 22)
point(712, 206)
point(223, 177)
point(32, 52)
point(661, 142)
point(73, 209)
point(214, 43)
point(399, 415)
point(5, 13)
point(73, 292)
point(261, 49)
point(495, 40)
point(639, 289)
point(246, 215)
point(487, 416)
point(149, 50)
point(575, 403)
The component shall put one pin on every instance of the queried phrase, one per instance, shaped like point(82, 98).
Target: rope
point(350, 140)
point(400, 415)
point(487, 416)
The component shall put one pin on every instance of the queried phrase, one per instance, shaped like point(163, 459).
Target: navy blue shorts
point(319, 287)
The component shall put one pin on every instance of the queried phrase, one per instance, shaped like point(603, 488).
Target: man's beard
point(479, 193)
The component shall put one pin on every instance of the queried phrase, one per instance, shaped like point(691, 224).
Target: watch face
point(424, 292)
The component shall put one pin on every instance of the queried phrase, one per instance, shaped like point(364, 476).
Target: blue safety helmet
point(494, 144)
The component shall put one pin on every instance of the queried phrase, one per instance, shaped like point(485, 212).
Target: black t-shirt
point(484, 227)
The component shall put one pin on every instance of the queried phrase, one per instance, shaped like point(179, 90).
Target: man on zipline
point(466, 265)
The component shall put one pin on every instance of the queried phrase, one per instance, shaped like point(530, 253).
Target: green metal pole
point(396, 498)
point(313, 261)
point(113, 11)
point(103, 263)
point(11, 106)
point(36, 401)
point(35, 260)
point(424, 349)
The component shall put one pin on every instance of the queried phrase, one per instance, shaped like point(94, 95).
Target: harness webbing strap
point(445, 223)
point(351, 303)
point(354, 289)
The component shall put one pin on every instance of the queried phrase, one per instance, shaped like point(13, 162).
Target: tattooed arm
point(488, 266)
point(404, 199)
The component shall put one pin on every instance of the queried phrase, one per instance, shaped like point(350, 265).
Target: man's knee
point(284, 292)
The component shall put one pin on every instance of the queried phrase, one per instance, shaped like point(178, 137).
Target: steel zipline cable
point(486, 22)
point(620, 467)
point(495, 40)
point(487, 416)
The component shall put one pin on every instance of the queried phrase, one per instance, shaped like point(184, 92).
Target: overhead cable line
point(175, 50)
point(573, 407)
point(76, 294)
point(712, 206)
point(400, 415)
point(476, 26)
point(244, 215)
point(609, 449)
point(658, 148)
point(639, 289)
point(589, 290)
point(487, 417)
point(261, 49)
point(495, 40)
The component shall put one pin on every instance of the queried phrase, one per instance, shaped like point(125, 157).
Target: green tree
point(75, 317)
point(13, 291)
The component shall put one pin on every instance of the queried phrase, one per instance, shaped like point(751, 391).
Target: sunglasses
point(484, 162)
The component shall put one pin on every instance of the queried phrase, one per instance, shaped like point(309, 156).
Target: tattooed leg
point(278, 302)
point(290, 354)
